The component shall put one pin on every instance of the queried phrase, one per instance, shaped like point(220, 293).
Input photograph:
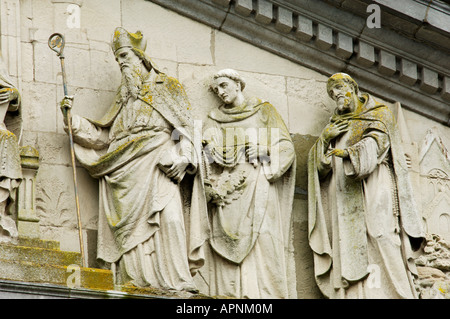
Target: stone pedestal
point(41, 261)
point(27, 219)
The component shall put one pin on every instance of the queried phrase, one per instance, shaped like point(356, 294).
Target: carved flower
point(226, 188)
point(53, 204)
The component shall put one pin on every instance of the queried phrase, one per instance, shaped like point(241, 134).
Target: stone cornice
point(29, 290)
point(325, 36)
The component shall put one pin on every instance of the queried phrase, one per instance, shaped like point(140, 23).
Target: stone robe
point(362, 215)
point(142, 212)
point(250, 203)
point(10, 167)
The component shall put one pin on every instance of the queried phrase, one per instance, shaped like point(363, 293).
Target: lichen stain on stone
point(97, 279)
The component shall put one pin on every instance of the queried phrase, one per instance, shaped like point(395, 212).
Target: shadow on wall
point(306, 284)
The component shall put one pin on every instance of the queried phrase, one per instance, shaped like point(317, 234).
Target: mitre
point(123, 38)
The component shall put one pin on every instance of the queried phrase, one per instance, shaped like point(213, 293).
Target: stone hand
point(408, 160)
point(8, 95)
point(338, 152)
point(65, 105)
point(253, 152)
point(177, 170)
point(334, 129)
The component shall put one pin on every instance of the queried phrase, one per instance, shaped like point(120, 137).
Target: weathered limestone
point(434, 269)
point(364, 224)
point(27, 219)
point(140, 161)
point(284, 49)
point(319, 49)
point(434, 163)
point(33, 260)
point(249, 178)
point(10, 170)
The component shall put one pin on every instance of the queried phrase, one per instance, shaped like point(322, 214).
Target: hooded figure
point(249, 179)
point(363, 220)
point(140, 151)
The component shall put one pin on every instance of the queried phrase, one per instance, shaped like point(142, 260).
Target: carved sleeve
point(187, 151)
point(281, 148)
point(89, 135)
point(323, 162)
point(367, 154)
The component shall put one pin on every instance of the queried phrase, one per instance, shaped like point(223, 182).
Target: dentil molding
point(406, 60)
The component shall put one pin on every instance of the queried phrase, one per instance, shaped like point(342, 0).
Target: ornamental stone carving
point(140, 152)
point(361, 205)
point(249, 181)
point(434, 269)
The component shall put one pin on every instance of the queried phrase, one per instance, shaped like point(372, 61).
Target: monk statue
point(249, 177)
point(364, 224)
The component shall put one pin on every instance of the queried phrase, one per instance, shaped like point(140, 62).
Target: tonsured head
point(228, 84)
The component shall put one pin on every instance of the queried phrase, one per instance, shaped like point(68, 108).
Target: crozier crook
point(56, 43)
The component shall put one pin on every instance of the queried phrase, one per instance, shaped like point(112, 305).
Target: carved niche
point(435, 178)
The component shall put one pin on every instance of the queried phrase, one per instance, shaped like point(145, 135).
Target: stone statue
point(363, 221)
point(140, 151)
point(10, 169)
point(249, 176)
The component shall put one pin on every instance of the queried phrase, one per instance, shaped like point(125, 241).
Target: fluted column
point(27, 219)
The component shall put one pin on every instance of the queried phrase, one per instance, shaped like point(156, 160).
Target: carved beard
point(131, 81)
point(345, 104)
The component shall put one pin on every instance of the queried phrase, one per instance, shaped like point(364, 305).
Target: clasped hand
point(65, 105)
point(255, 152)
point(8, 95)
point(178, 169)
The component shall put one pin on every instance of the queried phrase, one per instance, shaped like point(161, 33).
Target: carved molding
point(433, 137)
point(435, 184)
point(326, 38)
point(77, 2)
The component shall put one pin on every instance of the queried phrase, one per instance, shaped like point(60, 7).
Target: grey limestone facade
point(397, 50)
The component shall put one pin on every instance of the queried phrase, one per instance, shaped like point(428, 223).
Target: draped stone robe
point(10, 167)
point(362, 213)
point(251, 253)
point(142, 212)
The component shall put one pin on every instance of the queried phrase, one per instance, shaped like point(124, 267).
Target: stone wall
point(180, 47)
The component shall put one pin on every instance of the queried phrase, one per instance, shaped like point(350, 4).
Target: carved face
point(344, 94)
point(132, 77)
point(226, 89)
point(126, 57)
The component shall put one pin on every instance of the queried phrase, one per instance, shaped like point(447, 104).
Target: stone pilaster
point(27, 219)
